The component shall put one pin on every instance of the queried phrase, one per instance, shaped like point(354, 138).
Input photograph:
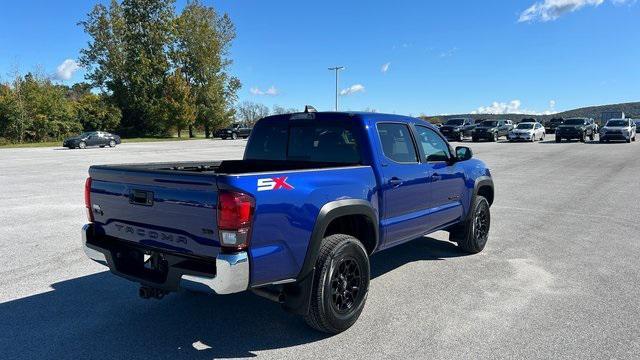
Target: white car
point(618, 129)
point(527, 131)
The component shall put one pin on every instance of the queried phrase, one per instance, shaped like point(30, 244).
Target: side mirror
point(463, 153)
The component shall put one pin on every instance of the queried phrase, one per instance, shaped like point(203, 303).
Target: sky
point(405, 57)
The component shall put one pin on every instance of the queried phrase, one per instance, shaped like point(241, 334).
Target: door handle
point(395, 182)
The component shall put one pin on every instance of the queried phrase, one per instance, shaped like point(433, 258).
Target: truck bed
point(226, 167)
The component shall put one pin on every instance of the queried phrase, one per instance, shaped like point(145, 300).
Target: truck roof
point(333, 115)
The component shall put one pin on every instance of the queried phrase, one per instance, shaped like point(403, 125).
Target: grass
point(130, 140)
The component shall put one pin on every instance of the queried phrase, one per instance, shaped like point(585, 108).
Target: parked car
point(233, 132)
point(608, 115)
point(90, 139)
point(294, 221)
point(458, 128)
point(619, 129)
point(491, 130)
point(576, 128)
point(527, 131)
point(553, 124)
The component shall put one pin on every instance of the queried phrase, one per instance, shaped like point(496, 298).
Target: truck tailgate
point(173, 211)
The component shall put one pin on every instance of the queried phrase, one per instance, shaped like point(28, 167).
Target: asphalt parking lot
point(559, 277)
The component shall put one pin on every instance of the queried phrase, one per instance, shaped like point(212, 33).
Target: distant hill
point(631, 110)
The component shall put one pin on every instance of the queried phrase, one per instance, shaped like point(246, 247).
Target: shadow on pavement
point(101, 316)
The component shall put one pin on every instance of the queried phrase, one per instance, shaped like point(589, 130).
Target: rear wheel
point(558, 139)
point(234, 136)
point(340, 284)
point(495, 137)
point(472, 236)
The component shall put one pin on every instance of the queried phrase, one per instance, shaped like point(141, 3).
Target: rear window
point(303, 142)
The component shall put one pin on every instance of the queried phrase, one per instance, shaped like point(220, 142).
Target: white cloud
point(513, 107)
point(353, 89)
point(449, 52)
point(549, 10)
point(66, 70)
point(272, 91)
point(385, 67)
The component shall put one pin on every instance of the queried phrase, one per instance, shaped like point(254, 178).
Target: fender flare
point(480, 182)
point(298, 294)
point(329, 212)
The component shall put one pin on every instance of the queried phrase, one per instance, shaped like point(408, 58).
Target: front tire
point(583, 138)
point(340, 284)
point(234, 136)
point(82, 145)
point(472, 236)
point(112, 143)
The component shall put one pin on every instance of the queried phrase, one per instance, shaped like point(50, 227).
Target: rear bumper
point(230, 274)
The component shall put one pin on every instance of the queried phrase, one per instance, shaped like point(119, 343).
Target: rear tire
point(340, 284)
point(558, 139)
point(234, 136)
point(472, 236)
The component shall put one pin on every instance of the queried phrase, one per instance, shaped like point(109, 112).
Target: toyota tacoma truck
point(297, 219)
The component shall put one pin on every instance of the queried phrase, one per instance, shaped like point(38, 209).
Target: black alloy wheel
point(345, 285)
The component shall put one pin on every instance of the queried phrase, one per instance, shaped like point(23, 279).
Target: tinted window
point(396, 142)
point(303, 142)
point(575, 122)
point(433, 147)
point(455, 122)
point(323, 143)
point(618, 123)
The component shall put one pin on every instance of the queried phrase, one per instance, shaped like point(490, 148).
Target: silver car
point(527, 131)
point(618, 129)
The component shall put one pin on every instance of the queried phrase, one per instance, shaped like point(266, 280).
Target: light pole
point(337, 70)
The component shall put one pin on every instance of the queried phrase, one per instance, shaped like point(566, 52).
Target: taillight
point(87, 198)
point(235, 213)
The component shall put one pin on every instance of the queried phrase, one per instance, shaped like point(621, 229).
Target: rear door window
point(397, 143)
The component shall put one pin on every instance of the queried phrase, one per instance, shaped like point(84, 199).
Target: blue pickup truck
point(316, 194)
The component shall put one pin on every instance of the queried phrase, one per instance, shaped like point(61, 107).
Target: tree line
point(149, 71)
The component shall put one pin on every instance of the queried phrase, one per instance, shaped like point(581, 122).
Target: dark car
point(234, 131)
point(491, 130)
point(92, 138)
point(529, 120)
point(458, 128)
point(553, 124)
point(576, 128)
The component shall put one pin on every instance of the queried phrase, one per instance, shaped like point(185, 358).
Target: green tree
point(201, 51)
point(94, 112)
point(127, 57)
